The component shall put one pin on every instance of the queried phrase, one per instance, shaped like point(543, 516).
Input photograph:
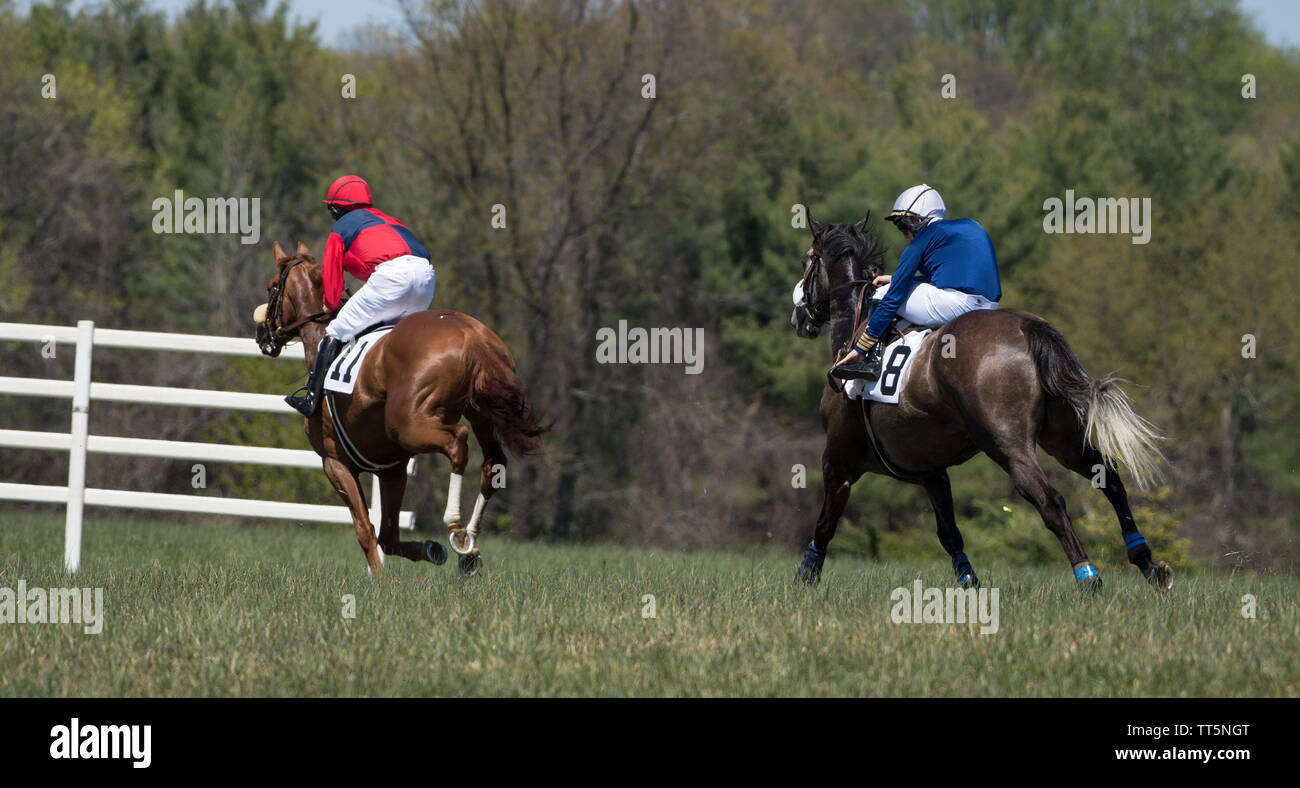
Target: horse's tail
point(1109, 422)
point(498, 393)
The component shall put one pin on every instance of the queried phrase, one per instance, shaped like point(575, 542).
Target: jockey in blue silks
point(948, 268)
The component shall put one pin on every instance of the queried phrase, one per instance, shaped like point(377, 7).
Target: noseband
point(279, 335)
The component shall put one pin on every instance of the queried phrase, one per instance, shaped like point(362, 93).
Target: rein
point(857, 307)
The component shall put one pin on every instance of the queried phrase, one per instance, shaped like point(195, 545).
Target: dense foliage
point(676, 211)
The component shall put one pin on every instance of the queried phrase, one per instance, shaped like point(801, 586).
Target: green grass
point(195, 609)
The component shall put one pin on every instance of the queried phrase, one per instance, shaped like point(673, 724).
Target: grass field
point(218, 610)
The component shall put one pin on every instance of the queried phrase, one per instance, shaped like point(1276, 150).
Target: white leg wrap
point(474, 518)
point(453, 500)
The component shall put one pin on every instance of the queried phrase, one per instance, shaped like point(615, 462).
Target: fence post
point(77, 451)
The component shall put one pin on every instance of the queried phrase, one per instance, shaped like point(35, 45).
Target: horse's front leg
point(837, 483)
point(348, 487)
point(392, 488)
point(940, 491)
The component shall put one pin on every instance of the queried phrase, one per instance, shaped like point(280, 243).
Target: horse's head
point(293, 298)
point(842, 254)
point(811, 303)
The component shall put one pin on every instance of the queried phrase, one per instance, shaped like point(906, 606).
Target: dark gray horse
point(996, 381)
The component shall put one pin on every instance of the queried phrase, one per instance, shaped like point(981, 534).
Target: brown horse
point(412, 389)
point(992, 381)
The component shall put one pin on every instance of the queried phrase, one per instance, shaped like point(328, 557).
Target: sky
point(1280, 19)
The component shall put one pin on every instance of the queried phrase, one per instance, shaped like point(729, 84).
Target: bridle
point(819, 313)
point(277, 335)
point(810, 310)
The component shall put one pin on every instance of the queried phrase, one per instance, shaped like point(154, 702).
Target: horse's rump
point(1105, 418)
point(458, 353)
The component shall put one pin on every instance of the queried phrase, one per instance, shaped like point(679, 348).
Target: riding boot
point(868, 368)
point(307, 399)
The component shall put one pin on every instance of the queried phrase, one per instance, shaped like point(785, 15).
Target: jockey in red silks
point(377, 249)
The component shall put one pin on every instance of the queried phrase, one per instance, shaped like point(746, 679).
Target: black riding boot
point(307, 399)
point(868, 368)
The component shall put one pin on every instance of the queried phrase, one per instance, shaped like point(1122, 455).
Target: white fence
point(82, 390)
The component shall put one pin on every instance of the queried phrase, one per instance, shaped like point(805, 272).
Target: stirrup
point(302, 401)
point(864, 369)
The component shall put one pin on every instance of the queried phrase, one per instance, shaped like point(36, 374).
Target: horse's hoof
point(435, 552)
point(461, 541)
point(810, 568)
point(1161, 576)
point(1091, 585)
point(1088, 578)
point(470, 564)
point(969, 581)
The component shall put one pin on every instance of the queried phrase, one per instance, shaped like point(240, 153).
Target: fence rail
point(77, 442)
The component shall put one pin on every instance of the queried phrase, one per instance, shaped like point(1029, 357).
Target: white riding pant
point(931, 306)
point(397, 288)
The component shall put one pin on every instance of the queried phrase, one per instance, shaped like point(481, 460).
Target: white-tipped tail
point(1119, 433)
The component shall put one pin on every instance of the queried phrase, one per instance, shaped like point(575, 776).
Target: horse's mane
point(866, 249)
point(866, 259)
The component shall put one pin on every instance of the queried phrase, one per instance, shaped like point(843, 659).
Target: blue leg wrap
point(810, 568)
point(1135, 541)
point(965, 573)
point(1086, 573)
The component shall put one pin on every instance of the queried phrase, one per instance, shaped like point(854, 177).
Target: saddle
point(897, 328)
point(340, 431)
point(371, 329)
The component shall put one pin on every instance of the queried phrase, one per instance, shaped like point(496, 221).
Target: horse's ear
point(815, 226)
point(303, 251)
point(280, 256)
point(862, 225)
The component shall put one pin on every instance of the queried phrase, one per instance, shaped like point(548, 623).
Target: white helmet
point(920, 201)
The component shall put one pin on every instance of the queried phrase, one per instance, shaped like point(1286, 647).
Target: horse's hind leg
point(392, 488)
point(493, 471)
point(1033, 486)
point(429, 434)
point(1062, 437)
point(940, 491)
point(345, 484)
point(1019, 459)
point(1004, 427)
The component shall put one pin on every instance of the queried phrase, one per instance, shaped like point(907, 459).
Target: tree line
point(646, 162)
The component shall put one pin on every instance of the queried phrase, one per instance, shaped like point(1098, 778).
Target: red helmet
point(350, 191)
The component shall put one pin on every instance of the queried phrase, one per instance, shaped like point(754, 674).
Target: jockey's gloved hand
point(860, 361)
point(849, 356)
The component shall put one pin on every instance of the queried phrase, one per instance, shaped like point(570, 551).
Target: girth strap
point(907, 476)
point(350, 449)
